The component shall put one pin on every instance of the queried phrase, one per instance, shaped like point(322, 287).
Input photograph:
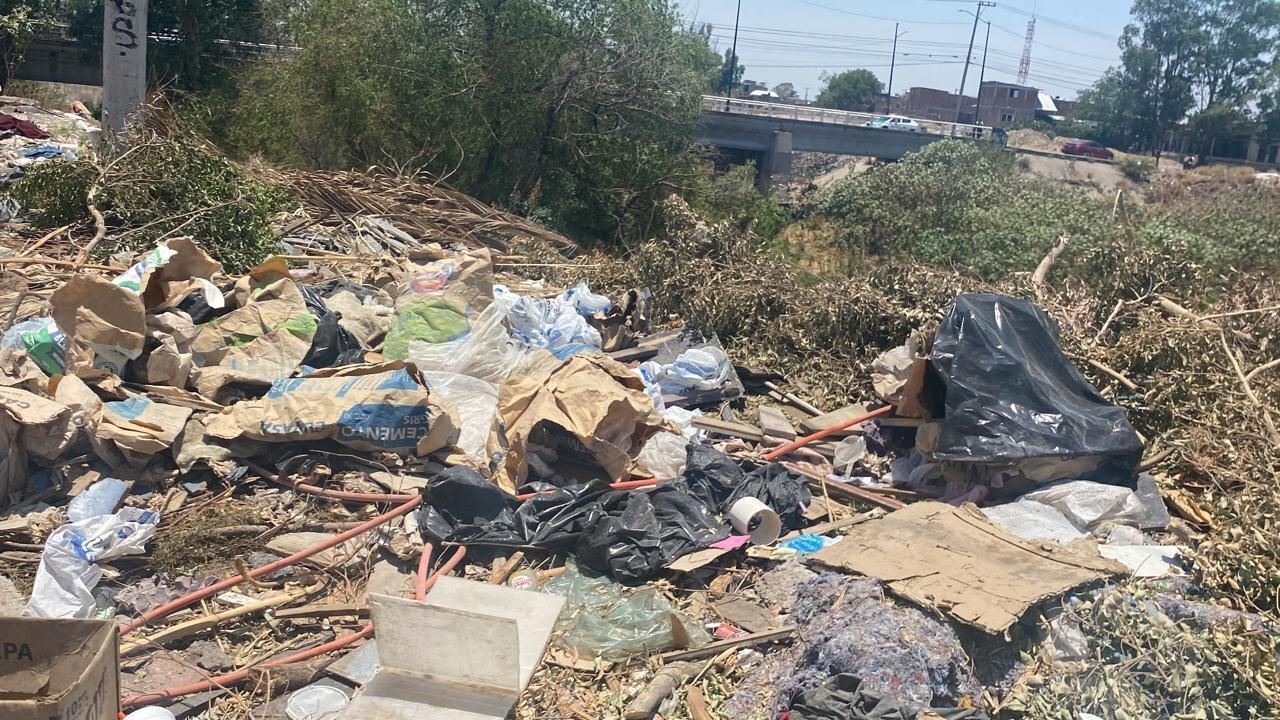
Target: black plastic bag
point(1010, 394)
point(333, 345)
point(786, 492)
point(717, 481)
point(461, 506)
point(639, 533)
point(629, 535)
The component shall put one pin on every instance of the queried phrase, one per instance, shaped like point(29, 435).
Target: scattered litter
point(69, 568)
point(1146, 561)
point(1031, 520)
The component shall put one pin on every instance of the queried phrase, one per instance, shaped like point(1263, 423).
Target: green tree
point(1231, 65)
point(786, 91)
point(850, 90)
point(1163, 44)
point(580, 114)
point(20, 20)
point(202, 41)
point(729, 83)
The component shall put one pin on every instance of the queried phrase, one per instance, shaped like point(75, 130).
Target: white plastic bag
point(1031, 520)
point(487, 352)
point(476, 404)
point(68, 569)
point(1089, 504)
point(101, 498)
point(550, 324)
point(664, 455)
point(586, 302)
point(705, 368)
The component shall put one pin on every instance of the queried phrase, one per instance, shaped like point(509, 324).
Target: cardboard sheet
point(105, 324)
point(956, 561)
point(593, 409)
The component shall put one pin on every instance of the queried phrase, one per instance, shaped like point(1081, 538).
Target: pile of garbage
point(554, 439)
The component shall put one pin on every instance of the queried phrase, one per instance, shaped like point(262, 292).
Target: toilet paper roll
point(748, 512)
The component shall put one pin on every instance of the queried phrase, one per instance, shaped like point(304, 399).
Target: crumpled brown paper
point(258, 343)
point(587, 414)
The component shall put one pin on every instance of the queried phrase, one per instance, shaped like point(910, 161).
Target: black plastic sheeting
point(333, 345)
point(629, 535)
point(1010, 393)
point(843, 697)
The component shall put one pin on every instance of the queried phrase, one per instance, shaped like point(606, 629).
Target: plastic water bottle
point(101, 498)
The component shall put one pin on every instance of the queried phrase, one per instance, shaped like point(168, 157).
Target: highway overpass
point(770, 133)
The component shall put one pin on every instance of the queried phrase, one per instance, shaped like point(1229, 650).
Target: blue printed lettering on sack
point(387, 426)
point(130, 409)
point(340, 387)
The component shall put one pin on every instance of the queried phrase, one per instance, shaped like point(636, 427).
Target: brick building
point(930, 104)
point(1004, 104)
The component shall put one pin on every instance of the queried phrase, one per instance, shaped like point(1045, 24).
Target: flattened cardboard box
point(59, 669)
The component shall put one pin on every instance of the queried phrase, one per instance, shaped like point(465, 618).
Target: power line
point(878, 17)
point(1060, 23)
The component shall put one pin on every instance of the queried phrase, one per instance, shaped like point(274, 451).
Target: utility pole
point(731, 67)
point(964, 77)
point(893, 59)
point(982, 76)
point(124, 62)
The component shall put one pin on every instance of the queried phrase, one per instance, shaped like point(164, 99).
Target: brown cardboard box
point(59, 669)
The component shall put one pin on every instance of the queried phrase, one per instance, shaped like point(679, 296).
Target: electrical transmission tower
point(1024, 66)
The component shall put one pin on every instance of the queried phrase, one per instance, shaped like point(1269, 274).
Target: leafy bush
point(959, 205)
point(1137, 170)
point(168, 186)
point(732, 196)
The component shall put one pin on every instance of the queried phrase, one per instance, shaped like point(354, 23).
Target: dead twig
point(1039, 277)
point(1248, 391)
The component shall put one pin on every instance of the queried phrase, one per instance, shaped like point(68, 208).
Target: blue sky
point(797, 40)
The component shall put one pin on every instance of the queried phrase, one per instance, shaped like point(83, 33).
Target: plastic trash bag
point(663, 455)
point(43, 342)
point(718, 482)
point(1010, 394)
point(705, 368)
point(101, 498)
point(629, 535)
point(586, 302)
point(475, 404)
point(333, 345)
point(1089, 504)
point(1031, 520)
point(68, 569)
point(552, 324)
point(604, 619)
point(487, 352)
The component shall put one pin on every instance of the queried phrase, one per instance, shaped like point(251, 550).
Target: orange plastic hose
point(172, 607)
point(801, 442)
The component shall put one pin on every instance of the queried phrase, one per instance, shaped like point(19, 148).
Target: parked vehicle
point(1088, 148)
point(895, 122)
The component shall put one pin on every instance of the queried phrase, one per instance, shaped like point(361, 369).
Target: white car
point(896, 122)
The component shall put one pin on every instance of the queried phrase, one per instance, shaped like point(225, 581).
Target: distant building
point(750, 86)
point(929, 104)
point(1005, 104)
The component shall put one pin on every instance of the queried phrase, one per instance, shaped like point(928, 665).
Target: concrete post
point(776, 160)
point(124, 61)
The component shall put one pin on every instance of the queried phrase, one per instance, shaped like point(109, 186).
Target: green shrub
point(1137, 170)
point(167, 186)
point(959, 205)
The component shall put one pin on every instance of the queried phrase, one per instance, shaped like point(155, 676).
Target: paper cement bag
point(437, 301)
point(47, 427)
point(173, 271)
point(365, 407)
point(142, 426)
point(257, 344)
point(587, 414)
point(13, 460)
point(105, 324)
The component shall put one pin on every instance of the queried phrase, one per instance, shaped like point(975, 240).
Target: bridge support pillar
point(777, 160)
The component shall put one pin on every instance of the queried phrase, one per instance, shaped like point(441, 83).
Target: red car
point(1088, 148)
